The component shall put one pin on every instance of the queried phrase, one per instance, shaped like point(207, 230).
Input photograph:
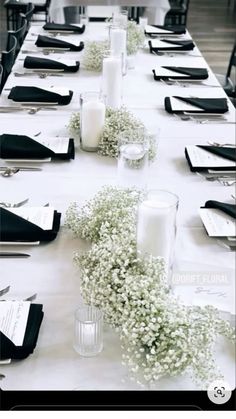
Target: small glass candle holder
point(84, 18)
point(143, 22)
point(120, 18)
point(92, 120)
point(112, 80)
point(132, 167)
point(88, 340)
point(156, 225)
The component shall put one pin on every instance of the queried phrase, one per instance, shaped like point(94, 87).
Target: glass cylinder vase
point(156, 225)
point(92, 120)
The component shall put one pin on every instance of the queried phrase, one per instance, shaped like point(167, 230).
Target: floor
point(212, 24)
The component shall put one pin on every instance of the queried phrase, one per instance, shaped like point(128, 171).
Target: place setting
point(171, 47)
point(182, 76)
point(213, 162)
point(28, 225)
point(20, 325)
point(198, 109)
point(35, 98)
point(218, 219)
point(35, 149)
point(160, 30)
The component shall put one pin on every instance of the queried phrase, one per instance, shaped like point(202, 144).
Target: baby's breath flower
point(159, 335)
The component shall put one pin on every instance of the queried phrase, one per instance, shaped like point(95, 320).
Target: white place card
point(156, 43)
point(178, 105)
point(40, 216)
point(13, 320)
point(217, 223)
point(58, 145)
point(203, 158)
point(219, 296)
point(69, 40)
point(164, 72)
point(152, 29)
point(63, 91)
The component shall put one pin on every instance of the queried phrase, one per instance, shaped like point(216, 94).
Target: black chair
point(8, 59)
point(14, 8)
point(42, 9)
point(72, 13)
point(228, 82)
point(178, 13)
point(28, 15)
point(1, 73)
point(19, 34)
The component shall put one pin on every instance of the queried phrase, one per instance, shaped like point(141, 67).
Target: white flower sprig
point(160, 336)
point(118, 122)
point(94, 51)
point(135, 38)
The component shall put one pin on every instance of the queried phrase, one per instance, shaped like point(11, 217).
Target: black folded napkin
point(37, 94)
point(208, 105)
point(23, 147)
point(48, 42)
point(193, 73)
point(9, 350)
point(226, 152)
point(174, 46)
point(47, 64)
point(178, 30)
point(15, 228)
point(60, 27)
point(229, 209)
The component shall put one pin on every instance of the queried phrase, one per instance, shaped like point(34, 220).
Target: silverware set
point(203, 118)
point(40, 74)
point(224, 179)
point(31, 110)
point(186, 83)
point(13, 205)
point(46, 51)
point(8, 171)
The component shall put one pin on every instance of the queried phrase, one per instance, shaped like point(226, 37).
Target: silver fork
point(5, 290)
point(214, 143)
point(16, 205)
point(226, 182)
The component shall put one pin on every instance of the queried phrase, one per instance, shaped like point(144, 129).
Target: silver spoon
point(10, 171)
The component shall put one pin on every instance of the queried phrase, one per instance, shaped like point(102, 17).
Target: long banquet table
point(50, 272)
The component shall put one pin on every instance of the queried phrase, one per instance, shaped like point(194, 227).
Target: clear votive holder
point(92, 120)
point(88, 338)
point(132, 165)
point(156, 226)
point(120, 18)
point(84, 18)
point(143, 22)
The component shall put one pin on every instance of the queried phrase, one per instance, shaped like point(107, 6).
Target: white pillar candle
point(156, 228)
point(112, 81)
point(118, 41)
point(92, 123)
point(88, 334)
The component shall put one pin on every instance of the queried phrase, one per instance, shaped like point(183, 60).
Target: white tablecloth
point(155, 15)
point(50, 272)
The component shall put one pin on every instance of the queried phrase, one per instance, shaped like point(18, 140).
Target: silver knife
point(24, 168)
point(13, 255)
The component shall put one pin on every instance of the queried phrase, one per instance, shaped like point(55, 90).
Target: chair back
point(1, 73)
point(19, 35)
point(8, 59)
point(232, 62)
point(28, 14)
